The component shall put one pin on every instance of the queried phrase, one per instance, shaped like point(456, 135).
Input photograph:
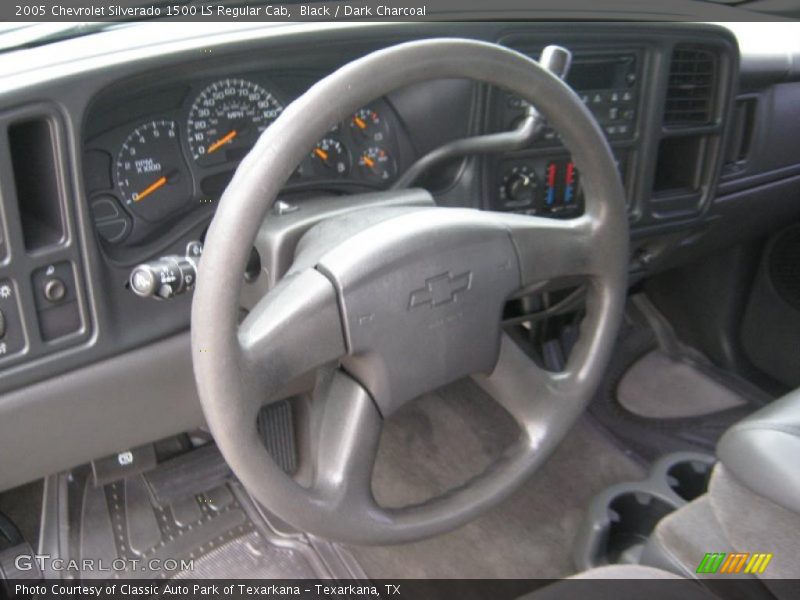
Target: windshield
point(27, 35)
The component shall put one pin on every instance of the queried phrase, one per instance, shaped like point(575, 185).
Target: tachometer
point(226, 119)
point(151, 174)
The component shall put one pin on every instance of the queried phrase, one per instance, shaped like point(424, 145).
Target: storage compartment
point(36, 179)
point(679, 165)
point(633, 516)
point(689, 479)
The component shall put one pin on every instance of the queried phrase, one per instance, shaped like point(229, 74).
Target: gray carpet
point(443, 439)
point(658, 387)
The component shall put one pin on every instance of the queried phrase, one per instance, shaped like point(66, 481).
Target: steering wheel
point(384, 305)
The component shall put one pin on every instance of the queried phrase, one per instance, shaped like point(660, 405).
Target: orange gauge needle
point(221, 142)
point(368, 161)
point(360, 122)
point(150, 189)
point(321, 153)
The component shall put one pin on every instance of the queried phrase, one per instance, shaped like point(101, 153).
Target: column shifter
point(555, 59)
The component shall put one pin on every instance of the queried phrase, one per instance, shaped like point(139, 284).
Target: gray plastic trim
point(110, 406)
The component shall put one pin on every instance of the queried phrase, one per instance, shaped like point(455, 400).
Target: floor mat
point(656, 404)
point(441, 440)
point(220, 533)
point(659, 387)
point(431, 445)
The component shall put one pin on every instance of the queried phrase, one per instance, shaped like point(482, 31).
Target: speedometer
point(226, 119)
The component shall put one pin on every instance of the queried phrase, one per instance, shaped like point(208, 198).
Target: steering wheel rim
point(336, 505)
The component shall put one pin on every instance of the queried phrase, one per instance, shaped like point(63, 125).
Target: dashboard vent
point(690, 93)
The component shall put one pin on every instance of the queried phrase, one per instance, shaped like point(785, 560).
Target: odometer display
point(227, 118)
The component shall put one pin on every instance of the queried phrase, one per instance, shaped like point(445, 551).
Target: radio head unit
point(608, 84)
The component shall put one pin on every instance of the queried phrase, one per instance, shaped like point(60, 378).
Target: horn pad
point(421, 296)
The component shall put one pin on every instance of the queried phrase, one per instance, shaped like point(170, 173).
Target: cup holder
point(685, 474)
point(633, 517)
point(621, 518)
point(689, 479)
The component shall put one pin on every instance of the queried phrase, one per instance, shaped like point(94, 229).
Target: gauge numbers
point(331, 158)
point(227, 118)
point(377, 164)
point(151, 175)
point(368, 124)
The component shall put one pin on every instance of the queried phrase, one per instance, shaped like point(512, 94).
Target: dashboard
point(116, 147)
point(171, 162)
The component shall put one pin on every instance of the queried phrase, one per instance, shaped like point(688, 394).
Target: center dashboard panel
point(158, 162)
point(543, 180)
point(659, 96)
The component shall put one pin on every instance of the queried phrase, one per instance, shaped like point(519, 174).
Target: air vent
point(690, 93)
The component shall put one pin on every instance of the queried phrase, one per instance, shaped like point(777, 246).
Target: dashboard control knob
point(519, 187)
point(143, 281)
point(167, 276)
point(54, 290)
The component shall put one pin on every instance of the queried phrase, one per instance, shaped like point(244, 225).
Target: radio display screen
point(600, 74)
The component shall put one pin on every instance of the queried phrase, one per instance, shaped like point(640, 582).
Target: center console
point(543, 180)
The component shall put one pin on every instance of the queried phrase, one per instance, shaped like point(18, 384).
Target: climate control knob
point(518, 189)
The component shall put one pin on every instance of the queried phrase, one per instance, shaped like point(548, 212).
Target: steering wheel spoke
point(529, 393)
point(346, 428)
point(291, 331)
point(553, 248)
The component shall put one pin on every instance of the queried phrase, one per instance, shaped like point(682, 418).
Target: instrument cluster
point(165, 167)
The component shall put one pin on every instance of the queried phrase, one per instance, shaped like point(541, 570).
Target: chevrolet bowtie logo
point(440, 289)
